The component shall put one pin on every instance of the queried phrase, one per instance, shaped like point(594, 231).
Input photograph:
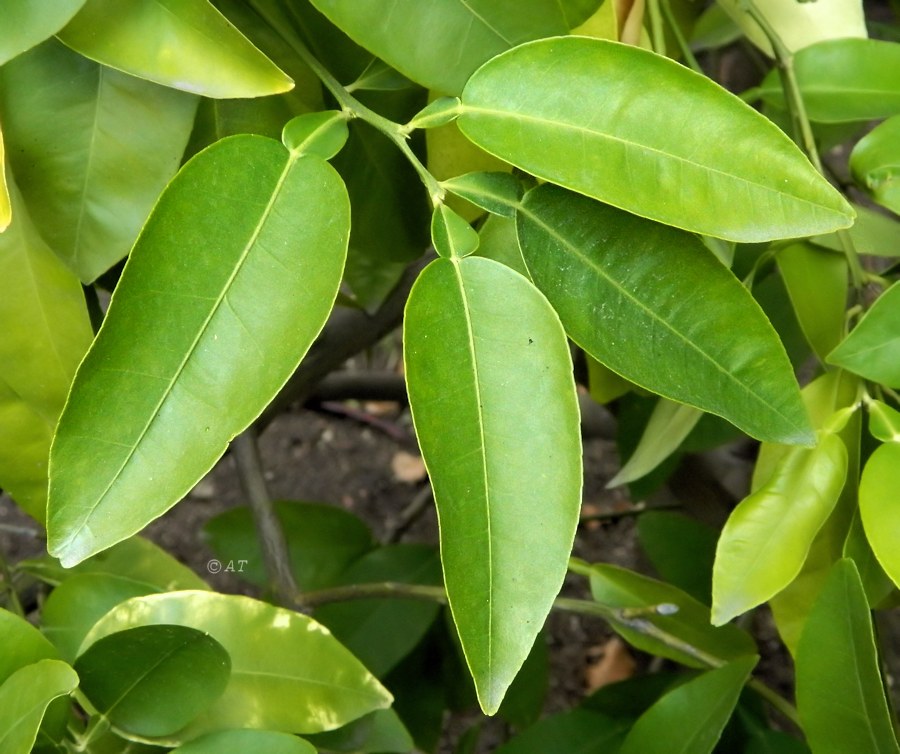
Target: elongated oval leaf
point(655, 306)
point(840, 696)
point(185, 44)
point(439, 44)
point(26, 23)
point(767, 537)
point(486, 355)
point(24, 698)
point(844, 80)
point(288, 673)
point(872, 349)
point(90, 185)
point(153, 680)
point(232, 278)
point(242, 741)
point(875, 162)
point(565, 109)
point(690, 718)
point(878, 506)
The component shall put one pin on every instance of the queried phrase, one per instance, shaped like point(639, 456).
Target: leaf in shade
point(875, 162)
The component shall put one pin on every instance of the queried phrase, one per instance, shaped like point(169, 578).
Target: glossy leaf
point(875, 162)
point(439, 45)
point(153, 680)
point(884, 421)
point(499, 193)
point(322, 540)
point(844, 80)
point(22, 645)
point(451, 235)
point(185, 44)
point(579, 251)
point(872, 349)
point(438, 112)
point(26, 23)
point(223, 294)
point(564, 110)
point(322, 134)
point(877, 585)
point(767, 537)
point(681, 549)
point(840, 696)
point(690, 718)
point(46, 331)
point(242, 741)
point(817, 284)
point(293, 676)
point(24, 699)
point(500, 374)
point(878, 506)
point(576, 731)
point(635, 597)
point(90, 185)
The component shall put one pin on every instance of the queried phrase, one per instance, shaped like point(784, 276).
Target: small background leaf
point(576, 731)
point(875, 162)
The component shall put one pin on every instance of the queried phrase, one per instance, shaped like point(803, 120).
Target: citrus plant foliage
point(534, 179)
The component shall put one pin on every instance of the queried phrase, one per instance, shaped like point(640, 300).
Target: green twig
point(657, 33)
point(679, 37)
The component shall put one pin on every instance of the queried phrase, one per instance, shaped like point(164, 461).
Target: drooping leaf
point(292, 676)
point(840, 696)
point(242, 741)
point(663, 299)
point(878, 506)
point(872, 349)
point(630, 593)
point(499, 373)
point(46, 331)
point(844, 80)
point(564, 109)
point(153, 680)
point(90, 185)
point(439, 45)
point(22, 645)
point(767, 537)
point(681, 549)
point(24, 698)
point(232, 278)
point(690, 718)
point(26, 24)
point(185, 44)
point(576, 731)
point(875, 162)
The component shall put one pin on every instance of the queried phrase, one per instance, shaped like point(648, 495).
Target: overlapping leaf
point(565, 109)
point(875, 162)
point(24, 698)
point(26, 24)
point(878, 507)
point(230, 281)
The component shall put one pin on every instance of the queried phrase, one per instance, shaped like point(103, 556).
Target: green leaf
point(840, 696)
point(681, 549)
point(564, 109)
point(242, 741)
point(524, 702)
point(500, 375)
point(322, 134)
point(872, 349)
point(232, 278)
point(322, 541)
point(884, 421)
point(5, 205)
point(451, 235)
point(382, 632)
point(627, 592)
point(499, 242)
point(878, 506)
point(767, 537)
point(440, 44)
point(22, 645)
point(872, 233)
point(185, 44)
point(436, 113)
point(876, 583)
point(574, 732)
point(382, 732)
point(498, 193)
point(690, 718)
point(46, 331)
point(26, 23)
point(843, 80)
point(24, 699)
point(579, 251)
point(90, 185)
point(816, 281)
point(153, 680)
point(287, 672)
point(875, 162)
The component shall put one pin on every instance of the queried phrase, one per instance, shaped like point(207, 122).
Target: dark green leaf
point(878, 506)
point(875, 162)
point(664, 299)
point(232, 278)
point(153, 680)
point(574, 732)
point(26, 23)
point(486, 355)
point(565, 110)
point(24, 698)
point(840, 696)
point(451, 235)
point(524, 702)
point(322, 134)
point(681, 549)
point(381, 732)
point(244, 741)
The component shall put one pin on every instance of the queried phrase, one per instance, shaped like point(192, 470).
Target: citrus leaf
point(884, 421)
point(451, 235)
point(580, 252)
point(5, 205)
point(878, 506)
point(185, 44)
point(24, 698)
point(486, 355)
point(322, 134)
point(232, 278)
point(26, 24)
point(498, 193)
point(875, 162)
point(565, 110)
point(242, 741)
point(577, 731)
point(22, 645)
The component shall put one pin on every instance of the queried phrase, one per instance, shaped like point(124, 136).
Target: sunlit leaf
point(878, 506)
point(232, 278)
